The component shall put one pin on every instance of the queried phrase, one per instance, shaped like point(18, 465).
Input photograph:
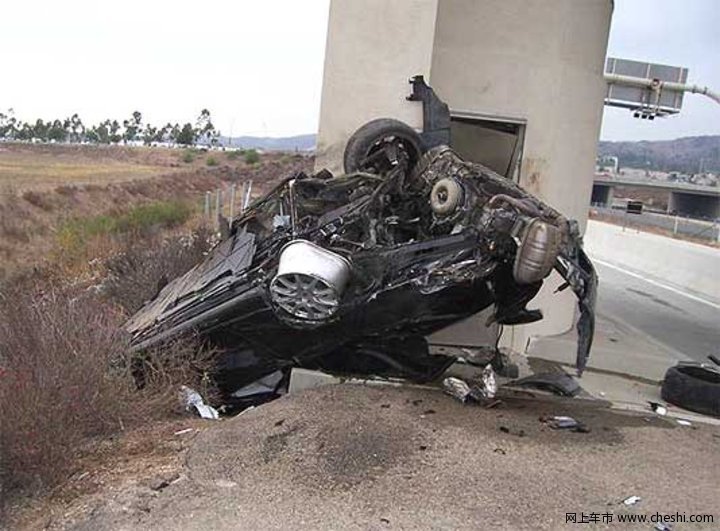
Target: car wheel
point(374, 137)
point(693, 387)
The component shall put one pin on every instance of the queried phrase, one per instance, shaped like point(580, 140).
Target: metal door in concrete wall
point(494, 142)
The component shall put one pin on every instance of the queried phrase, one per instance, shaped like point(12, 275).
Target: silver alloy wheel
point(304, 296)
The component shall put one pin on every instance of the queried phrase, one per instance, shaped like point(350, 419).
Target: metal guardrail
point(676, 225)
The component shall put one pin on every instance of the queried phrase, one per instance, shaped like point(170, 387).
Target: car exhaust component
point(310, 280)
point(537, 252)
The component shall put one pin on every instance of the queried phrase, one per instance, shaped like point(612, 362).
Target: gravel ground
point(353, 457)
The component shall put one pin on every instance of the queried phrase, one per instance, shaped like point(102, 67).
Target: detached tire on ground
point(376, 134)
point(693, 387)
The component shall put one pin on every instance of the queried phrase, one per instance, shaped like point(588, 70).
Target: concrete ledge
point(686, 265)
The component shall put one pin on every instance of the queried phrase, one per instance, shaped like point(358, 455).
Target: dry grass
point(62, 380)
point(67, 375)
point(28, 169)
point(139, 272)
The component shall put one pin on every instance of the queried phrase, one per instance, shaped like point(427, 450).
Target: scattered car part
point(457, 388)
point(436, 114)
point(693, 386)
point(266, 385)
point(561, 422)
point(348, 274)
point(632, 500)
point(684, 422)
point(191, 399)
point(559, 383)
point(658, 408)
point(481, 391)
point(489, 384)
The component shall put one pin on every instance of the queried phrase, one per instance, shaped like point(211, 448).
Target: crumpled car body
point(350, 273)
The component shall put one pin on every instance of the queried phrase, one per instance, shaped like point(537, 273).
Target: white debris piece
point(632, 500)
point(658, 408)
point(489, 387)
point(457, 388)
point(192, 399)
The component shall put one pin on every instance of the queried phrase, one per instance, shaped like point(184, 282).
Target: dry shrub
point(138, 273)
point(68, 190)
point(38, 199)
point(14, 228)
point(67, 376)
point(62, 380)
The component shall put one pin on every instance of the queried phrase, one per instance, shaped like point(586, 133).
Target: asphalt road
point(681, 321)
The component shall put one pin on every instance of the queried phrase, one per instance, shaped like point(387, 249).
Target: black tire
point(693, 387)
point(371, 136)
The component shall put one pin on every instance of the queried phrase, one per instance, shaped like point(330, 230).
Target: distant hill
point(682, 154)
point(266, 143)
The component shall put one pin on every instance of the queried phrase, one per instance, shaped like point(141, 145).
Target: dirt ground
point(354, 457)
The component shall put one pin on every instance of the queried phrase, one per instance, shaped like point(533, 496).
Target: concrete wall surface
point(684, 264)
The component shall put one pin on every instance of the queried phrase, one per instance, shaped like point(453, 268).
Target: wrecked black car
point(350, 273)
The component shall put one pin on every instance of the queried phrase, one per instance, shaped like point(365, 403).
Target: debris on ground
point(694, 386)
point(348, 274)
point(658, 408)
point(191, 399)
point(632, 500)
point(684, 422)
point(489, 384)
point(559, 383)
point(560, 422)
point(457, 388)
point(482, 391)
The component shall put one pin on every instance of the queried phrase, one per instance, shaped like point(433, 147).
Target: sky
point(673, 32)
point(257, 64)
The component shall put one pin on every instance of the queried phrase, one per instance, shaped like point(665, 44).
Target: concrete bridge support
point(602, 195)
point(694, 205)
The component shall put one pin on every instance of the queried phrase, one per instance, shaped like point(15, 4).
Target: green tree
point(149, 134)
point(133, 126)
point(41, 130)
point(115, 136)
point(8, 124)
point(24, 131)
point(57, 131)
point(186, 137)
point(77, 129)
point(204, 129)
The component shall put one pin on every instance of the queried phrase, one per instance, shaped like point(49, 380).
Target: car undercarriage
point(349, 274)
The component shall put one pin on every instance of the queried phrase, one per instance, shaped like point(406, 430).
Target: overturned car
point(350, 273)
